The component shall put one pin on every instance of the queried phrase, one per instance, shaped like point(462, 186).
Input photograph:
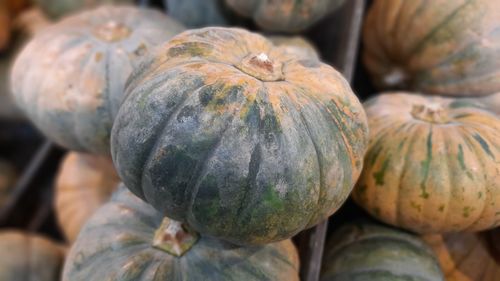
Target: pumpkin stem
point(174, 238)
point(261, 67)
point(433, 113)
point(112, 31)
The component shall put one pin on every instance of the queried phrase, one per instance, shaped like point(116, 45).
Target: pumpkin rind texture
point(442, 47)
point(122, 231)
point(432, 164)
point(464, 257)
point(239, 139)
point(363, 251)
point(57, 8)
point(284, 15)
point(69, 80)
point(27, 257)
point(84, 183)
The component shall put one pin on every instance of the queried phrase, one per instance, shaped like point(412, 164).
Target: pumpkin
point(363, 251)
point(27, 257)
point(58, 8)
point(84, 183)
point(443, 47)
point(284, 15)
point(69, 80)
point(8, 178)
point(25, 26)
point(464, 257)
point(199, 13)
point(239, 139)
point(432, 164)
point(491, 102)
point(129, 240)
point(295, 45)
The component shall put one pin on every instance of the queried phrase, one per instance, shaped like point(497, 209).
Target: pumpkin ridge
point(204, 163)
point(435, 29)
point(378, 272)
point(162, 132)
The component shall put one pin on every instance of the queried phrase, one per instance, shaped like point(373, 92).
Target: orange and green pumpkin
point(284, 15)
point(464, 256)
point(363, 251)
point(236, 137)
point(69, 80)
point(26, 257)
point(127, 239)
point(8, 178)
point(58, 8)
point(444, 47)
point(432, 164)
point(84, 183)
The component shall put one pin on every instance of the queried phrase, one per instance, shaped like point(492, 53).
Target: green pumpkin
point(199, 13)
point(58, 8)
point(129, 240)
point(29, 257)
point(240, 139)
point(442, 47)
point(284, 15)
point(365, 251)
point(69, 80)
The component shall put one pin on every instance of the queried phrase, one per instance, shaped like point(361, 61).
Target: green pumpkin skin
point(235, 156)
point(26, 257)
point(69, 79)
point(439, 47)
point(115, 244)
point(56, 9)
point(198, 13)
point(284, 16)
point(365, 251)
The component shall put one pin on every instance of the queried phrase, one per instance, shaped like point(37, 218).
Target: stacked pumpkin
point(227, 145)
point(433, 160)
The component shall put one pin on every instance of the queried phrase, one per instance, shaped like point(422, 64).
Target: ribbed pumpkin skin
point(464, 257)
point(235, 157)
point(58, 8)
point(295, 45)
point(284, 15)
point(84, 183)
point(27, 257)
point(369, 252)
point(431, 177)
point(445, 47)
point(8, 178)
point(69, 80)
point(115, 244)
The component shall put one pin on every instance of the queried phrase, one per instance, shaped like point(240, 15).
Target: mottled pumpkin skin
point(248, 150)
point(58, 8)
point(8, 177)
point(431, 177)
point(444, 47)
point(84, 183)
point(464, 257)
point(490, 102)
point(115, 244)
point(295, 45)
point(27, 257)
point(69, 80)
point(284, 15)
point(364, 251)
